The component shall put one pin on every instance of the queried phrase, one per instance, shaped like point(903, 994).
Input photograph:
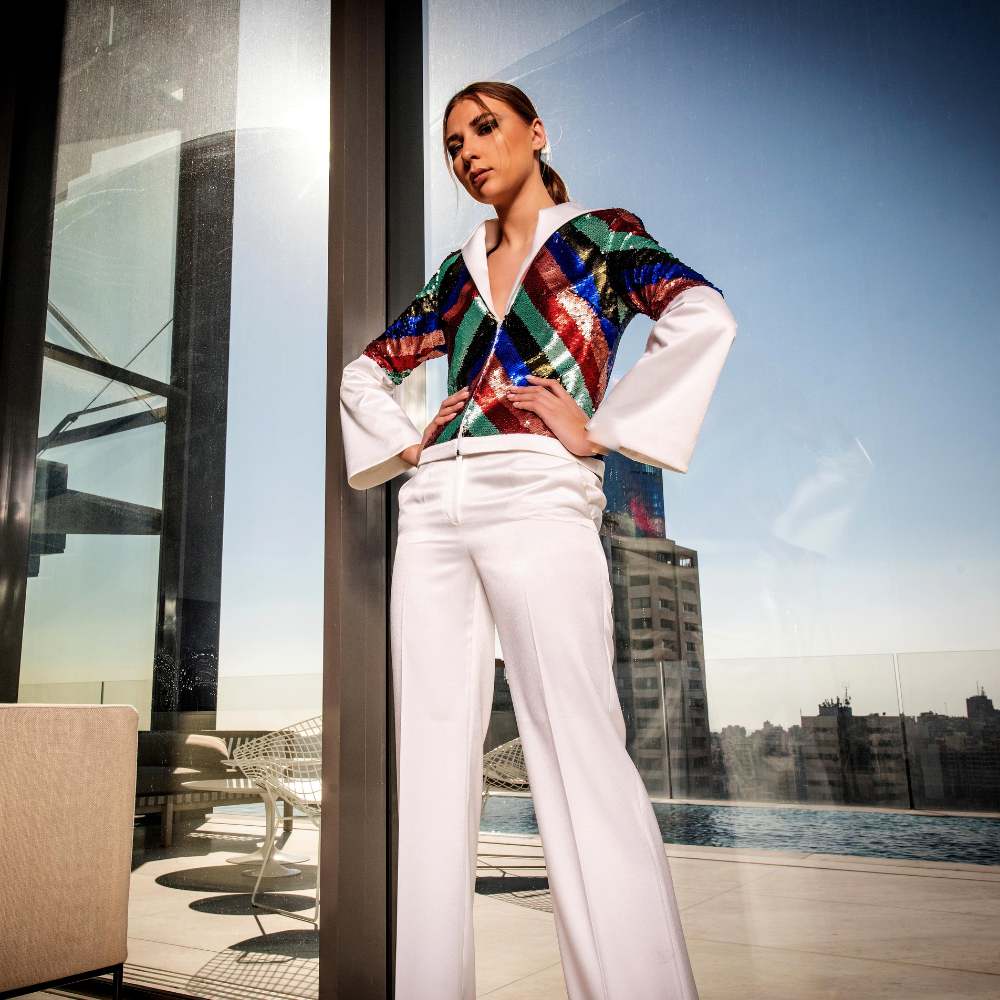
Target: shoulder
point(613, 230)
point(620, 220)
point(449, 267)
point(451, 259)
point(452, 262)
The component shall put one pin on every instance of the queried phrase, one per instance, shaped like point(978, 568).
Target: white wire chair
point(503, 767)
point(288, 765)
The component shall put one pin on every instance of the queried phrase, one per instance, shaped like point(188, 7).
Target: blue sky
point(833, 168)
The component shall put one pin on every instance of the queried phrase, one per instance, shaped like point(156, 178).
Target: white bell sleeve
point(654, 414)
point(375, 428)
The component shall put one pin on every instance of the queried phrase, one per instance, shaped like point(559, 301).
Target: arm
point(654, 414)
point(375, 428)
point(377, 433)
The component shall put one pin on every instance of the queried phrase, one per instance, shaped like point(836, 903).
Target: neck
point(519, 217)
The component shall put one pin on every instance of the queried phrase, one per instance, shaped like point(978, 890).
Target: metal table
point(276, 866)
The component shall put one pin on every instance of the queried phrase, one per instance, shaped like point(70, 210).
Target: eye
point(487, 127)
point(454, 150)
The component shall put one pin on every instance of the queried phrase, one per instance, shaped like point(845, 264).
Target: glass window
point(177, 526)
point(816, 163)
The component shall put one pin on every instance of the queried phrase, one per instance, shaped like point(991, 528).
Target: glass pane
point(806, 684)
point(178, 518)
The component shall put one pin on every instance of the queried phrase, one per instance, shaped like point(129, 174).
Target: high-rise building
point(659, 659)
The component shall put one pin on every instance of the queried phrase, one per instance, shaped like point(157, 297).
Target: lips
point(477, 175)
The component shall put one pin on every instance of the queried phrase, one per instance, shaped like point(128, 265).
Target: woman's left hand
point(546, 398)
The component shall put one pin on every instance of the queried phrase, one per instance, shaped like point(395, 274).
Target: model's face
point(492, 153)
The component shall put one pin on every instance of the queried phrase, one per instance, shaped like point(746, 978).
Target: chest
point(503, 266)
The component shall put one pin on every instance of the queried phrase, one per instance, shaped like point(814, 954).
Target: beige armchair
point(67, 786)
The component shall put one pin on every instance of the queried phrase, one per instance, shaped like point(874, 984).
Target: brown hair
point(519, 102)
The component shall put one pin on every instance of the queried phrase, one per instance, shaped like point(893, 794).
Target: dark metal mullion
point(109, 371)
point(29, 103)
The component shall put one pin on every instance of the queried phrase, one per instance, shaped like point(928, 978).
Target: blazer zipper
point(496, 336)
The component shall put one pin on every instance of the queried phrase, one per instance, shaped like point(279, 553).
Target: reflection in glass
point(180, 455)
point(827, 168)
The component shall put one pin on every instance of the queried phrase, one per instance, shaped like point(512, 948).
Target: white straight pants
point(511, 538)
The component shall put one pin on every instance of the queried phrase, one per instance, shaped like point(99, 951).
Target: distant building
point(853, 760)
point(765, 766)
point(955, 762)
point(659, 657)
point(838, 758)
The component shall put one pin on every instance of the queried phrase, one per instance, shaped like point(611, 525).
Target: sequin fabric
point(588, 281)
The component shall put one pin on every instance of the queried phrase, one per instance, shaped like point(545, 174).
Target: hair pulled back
point(519, 102)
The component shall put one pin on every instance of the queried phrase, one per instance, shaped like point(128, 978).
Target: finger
point(551, 384)
point(539, 406)
point(458, 399)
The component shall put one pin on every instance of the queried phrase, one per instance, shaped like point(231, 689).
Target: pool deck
point(780, 925)
point(783, 925)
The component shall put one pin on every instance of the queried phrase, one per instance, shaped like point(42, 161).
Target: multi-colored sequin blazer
point(587, 275)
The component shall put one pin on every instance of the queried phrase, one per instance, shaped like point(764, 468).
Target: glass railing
point(890, 755)
point(907, 730)
point(264, 702)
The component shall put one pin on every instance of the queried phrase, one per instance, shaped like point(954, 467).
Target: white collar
point(474, 251)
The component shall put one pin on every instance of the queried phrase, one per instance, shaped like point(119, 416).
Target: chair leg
point(287, 826)
point(272, 829)
point(269, 850)
point(167, 822)
point(117, 982)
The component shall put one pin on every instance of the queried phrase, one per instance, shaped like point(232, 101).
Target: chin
point(484, 195)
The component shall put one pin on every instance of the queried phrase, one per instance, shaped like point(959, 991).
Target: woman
point(499, 526)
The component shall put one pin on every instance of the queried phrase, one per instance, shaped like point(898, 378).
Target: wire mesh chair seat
point(288, 765)
point(503, 767)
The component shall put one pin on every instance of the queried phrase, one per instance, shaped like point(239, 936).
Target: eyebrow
point(478, 120)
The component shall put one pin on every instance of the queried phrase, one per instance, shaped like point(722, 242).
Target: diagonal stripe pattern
point(588, 281)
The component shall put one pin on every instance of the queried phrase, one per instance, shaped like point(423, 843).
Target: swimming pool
point(964, 839)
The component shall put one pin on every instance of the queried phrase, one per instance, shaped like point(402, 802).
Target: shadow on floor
point(530, 891)
point(293, 944)
point(239, 905)
point(285, 963)
point(230, 879)
point(511, 883)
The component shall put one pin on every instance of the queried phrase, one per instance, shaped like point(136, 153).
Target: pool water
point(963, 839)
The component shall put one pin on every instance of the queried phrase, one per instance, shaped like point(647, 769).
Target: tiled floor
point(759, 924)
point(204, 940)
point(782, 925)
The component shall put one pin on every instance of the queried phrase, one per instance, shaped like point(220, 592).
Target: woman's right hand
point(450, 407)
